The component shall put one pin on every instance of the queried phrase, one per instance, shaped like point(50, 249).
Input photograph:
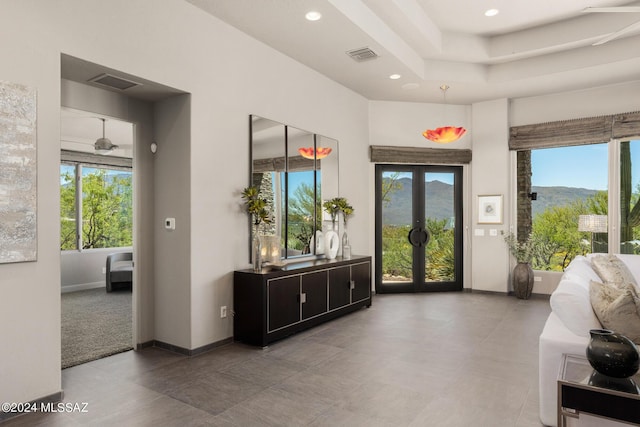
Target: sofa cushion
point(581, 269)
point(612, 270)
point(571, 303)
point(617, 307)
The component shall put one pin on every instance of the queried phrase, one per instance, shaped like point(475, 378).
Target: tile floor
point(444, 359)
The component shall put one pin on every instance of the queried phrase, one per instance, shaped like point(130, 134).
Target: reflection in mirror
point(268, 166)
point(301, 219)
point(295, 170)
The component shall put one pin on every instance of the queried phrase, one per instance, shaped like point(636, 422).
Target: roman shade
point(418, 155)
point(591, 130)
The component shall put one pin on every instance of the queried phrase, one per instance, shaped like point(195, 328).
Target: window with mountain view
point(105, 197)
point(570, 183)
point(570, 214)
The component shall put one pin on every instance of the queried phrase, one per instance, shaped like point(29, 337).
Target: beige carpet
point(95, 324)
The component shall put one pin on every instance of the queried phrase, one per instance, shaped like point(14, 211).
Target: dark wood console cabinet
point(273, 304)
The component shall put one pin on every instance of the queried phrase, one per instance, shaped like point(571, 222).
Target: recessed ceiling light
point(313, 15)
point(491, 12)
point(395, 76)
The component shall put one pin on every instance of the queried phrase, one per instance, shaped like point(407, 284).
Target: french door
point(418, 228)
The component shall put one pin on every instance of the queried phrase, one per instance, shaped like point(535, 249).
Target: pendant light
point(310, 153)
point(444, 134)
point(104, 145)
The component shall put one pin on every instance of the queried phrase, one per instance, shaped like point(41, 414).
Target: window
point(569, 213)
point(95, 206)
point(630, 197)
point(581, 193)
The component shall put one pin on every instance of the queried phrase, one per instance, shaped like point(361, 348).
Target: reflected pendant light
point(444, 134)
point(310, 153)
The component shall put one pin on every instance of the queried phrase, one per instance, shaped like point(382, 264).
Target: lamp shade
point(593, 223)
point(445, 134)
point(319, 153)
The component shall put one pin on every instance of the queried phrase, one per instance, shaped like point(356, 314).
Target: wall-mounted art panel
point(17, 173)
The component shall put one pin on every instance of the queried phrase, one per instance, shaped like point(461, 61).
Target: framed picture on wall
point(490, 209)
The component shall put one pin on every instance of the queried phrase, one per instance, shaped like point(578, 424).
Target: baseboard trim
point(82, 287)
point(510, 293)
point(52, 398)
point(182, 350)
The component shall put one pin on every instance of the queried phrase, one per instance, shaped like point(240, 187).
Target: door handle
point(418, 237)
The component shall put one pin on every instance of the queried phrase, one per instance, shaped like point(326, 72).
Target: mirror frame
point(282, 164)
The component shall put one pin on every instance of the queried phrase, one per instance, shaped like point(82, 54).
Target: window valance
point(591, 130)
point(418, 155)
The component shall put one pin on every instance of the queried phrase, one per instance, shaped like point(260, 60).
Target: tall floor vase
point(523, 280)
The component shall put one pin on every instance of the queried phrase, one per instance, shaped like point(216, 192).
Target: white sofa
point(568, 325)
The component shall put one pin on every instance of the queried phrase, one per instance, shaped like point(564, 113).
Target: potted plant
point(522, 250)
point(336, 205)
point(256, 207)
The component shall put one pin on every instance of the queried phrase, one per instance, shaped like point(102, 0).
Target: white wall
point(172, 247)
point(229, 76)
point(594, 102)
point(490, 175)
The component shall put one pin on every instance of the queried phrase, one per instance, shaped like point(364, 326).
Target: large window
point(577, 194)
point(569, 213)
point(95, 206)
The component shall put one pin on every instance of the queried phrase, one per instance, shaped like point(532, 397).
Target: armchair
point(119, 269)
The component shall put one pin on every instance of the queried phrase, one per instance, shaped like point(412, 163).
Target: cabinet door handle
point(303, 298)
point(352, 284)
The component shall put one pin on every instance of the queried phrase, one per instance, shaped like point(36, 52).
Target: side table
point(582, 389)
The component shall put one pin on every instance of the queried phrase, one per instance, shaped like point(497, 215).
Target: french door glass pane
point(629, 197)
point(397, 252)
point(440, 222)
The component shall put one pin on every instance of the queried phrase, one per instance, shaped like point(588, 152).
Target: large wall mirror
point(295, 171)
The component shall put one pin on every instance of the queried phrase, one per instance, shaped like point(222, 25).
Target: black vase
point(612, 354)
point(523, 280)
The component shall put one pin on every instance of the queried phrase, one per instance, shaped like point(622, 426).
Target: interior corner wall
point(490, 175)
point(172, 287)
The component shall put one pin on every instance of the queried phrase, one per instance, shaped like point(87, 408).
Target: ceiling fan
point(104, 145)
point(619, 9)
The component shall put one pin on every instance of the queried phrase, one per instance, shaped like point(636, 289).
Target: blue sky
point(584, 166)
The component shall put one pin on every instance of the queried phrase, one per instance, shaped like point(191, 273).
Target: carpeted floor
point(95, 324)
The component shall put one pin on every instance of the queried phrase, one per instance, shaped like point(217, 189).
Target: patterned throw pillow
point(612, 269)
point(617, 307)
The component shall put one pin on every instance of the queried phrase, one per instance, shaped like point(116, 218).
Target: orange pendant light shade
point(320, 152)
point(444, 135)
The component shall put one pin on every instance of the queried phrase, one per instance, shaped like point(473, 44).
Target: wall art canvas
point(18, 171)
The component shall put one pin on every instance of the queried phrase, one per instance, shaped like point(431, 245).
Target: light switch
point(479, 232)
point(170, 223)
point(493, 232)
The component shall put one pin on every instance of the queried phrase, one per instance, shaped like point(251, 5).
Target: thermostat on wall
point(170, 223)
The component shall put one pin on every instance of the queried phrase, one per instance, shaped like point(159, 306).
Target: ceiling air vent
point(114, 82)
point(362, 54)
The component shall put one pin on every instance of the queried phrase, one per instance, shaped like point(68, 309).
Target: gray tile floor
point(444, 359)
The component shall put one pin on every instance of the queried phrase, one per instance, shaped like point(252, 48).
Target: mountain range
point(439, 196)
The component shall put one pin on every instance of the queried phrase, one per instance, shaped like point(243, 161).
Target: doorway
point(419, 236)
point(96, 222)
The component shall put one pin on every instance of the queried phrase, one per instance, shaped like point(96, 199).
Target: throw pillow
point(617, 307)
point(612, 269)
